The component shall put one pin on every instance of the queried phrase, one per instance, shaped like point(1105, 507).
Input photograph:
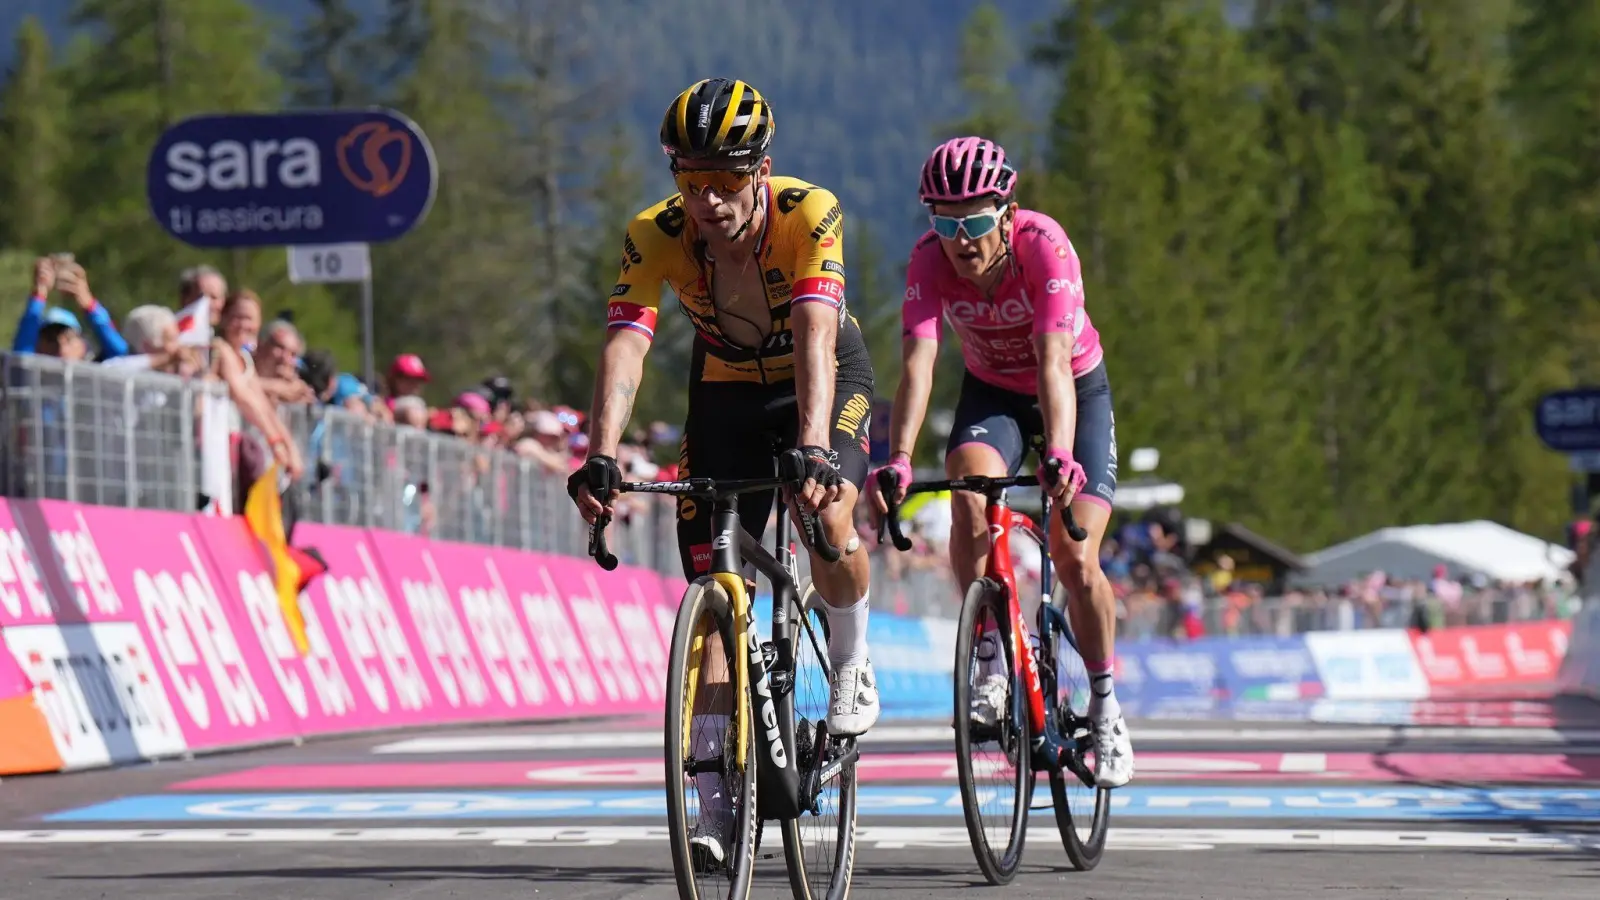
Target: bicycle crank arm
point(831, 770)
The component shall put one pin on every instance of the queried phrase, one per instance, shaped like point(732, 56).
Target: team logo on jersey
point(670, 220)
point(829, 265)
point(789, 198)
point(828, 224)
point(1006, 312)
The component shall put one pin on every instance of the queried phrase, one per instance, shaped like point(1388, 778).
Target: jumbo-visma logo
point(375, 158)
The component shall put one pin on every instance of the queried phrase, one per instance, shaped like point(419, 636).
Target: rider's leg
point(1093, 607)
point(969, 533)
point(985, 439)
point(719, 452)
point(845, 585)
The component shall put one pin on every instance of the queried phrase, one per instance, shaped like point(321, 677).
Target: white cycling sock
point(847, 634)
point(991, 655)
point(1102, 692)
point(707, 732)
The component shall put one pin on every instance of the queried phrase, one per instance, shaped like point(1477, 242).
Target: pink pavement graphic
point(929, 767)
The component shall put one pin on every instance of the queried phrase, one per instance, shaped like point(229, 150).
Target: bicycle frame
point(763, 671)
point(1050, 748)
point(1001, 520)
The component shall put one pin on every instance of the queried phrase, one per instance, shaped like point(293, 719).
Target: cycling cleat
point(989, 700)
point(708, 842)
point(852, 700)
point(1113, 752)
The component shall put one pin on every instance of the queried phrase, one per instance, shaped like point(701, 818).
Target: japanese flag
point(194, 324)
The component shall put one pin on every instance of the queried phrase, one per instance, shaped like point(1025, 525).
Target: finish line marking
point(871, 837)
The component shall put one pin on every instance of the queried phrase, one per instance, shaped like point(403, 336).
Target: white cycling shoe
point(708, 841)
point(852, 700)
point(1113, 752)
point(989, 700)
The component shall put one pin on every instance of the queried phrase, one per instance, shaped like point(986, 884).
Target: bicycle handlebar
point(887, 482)
point(791, 474)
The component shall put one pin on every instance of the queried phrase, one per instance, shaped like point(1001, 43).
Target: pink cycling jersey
point(1042, 294)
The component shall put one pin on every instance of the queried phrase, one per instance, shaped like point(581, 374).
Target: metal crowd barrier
point(120, 437)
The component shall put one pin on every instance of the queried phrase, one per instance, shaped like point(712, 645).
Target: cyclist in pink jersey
point(1008, 282)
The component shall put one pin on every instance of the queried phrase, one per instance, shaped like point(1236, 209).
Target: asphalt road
point(1495, 801)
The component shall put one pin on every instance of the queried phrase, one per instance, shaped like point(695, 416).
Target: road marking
point(942, 734)
point(1303, 762)
point(928, 766)
point(867, 837)
point(874, 803)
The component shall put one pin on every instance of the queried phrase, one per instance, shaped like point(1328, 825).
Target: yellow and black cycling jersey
point(800, 251)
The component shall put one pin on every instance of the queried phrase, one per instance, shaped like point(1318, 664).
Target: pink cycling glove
point(1070, 470)
point(898, 465)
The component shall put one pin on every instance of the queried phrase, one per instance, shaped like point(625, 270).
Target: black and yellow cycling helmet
point(718, 118)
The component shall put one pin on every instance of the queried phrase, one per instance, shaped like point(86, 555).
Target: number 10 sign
point(329, 263)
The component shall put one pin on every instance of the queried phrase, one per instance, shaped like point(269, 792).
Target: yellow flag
point(263, 511)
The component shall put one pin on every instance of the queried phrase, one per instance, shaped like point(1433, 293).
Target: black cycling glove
point(822, 466)
point(599, 474)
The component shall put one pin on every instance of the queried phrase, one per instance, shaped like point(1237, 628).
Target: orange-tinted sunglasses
point(696, 182)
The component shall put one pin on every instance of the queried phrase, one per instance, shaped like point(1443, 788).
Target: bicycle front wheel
point(819, 845)
point(706, 761)
point(992, 762)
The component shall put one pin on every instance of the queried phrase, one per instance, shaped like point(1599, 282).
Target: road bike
point(1044, 723)
point(776, 757)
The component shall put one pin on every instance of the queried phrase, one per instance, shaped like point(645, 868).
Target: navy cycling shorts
point(1012, 424)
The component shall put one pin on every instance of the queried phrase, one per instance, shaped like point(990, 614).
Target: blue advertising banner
point(266, 180)
point(1569, 421)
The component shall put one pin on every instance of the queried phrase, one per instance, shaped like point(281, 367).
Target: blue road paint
point(1407, 804)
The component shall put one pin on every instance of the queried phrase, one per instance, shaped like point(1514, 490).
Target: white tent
point(1464, 548)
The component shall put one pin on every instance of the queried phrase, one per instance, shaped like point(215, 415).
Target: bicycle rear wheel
point(1083, 809)
point(819, 848)
point(703, 641)
point(992, 762)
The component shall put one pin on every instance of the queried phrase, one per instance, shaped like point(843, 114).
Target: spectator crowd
point(273, 377)
point(218, 334)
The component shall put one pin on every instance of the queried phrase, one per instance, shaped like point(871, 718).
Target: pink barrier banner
point(133, 634)
point(121, 625)
point(13, 681)
point(487, 617)
point(151, 566)
point(362, 670)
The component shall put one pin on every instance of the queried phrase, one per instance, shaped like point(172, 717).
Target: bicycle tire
point(1085, 854)
point(986, 596)
point(703, 598)
point(839, 870)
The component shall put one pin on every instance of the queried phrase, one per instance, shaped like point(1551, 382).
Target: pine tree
point(149, 64)
point(988, 61)
point(327, 67)
point(33, 140)
point(465, 271)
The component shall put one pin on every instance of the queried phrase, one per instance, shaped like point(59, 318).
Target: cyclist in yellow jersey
point(757, 263)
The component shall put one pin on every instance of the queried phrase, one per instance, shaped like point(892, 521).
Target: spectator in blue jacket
point(57, 332)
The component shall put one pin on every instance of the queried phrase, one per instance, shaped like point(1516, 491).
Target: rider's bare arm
point(1058, 392)
point(917, 355)
point(816, 331)
point(615, 386)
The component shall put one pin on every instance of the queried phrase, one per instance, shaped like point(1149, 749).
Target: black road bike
point(776, 757)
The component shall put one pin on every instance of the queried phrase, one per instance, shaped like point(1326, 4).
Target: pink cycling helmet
point(967, 168)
